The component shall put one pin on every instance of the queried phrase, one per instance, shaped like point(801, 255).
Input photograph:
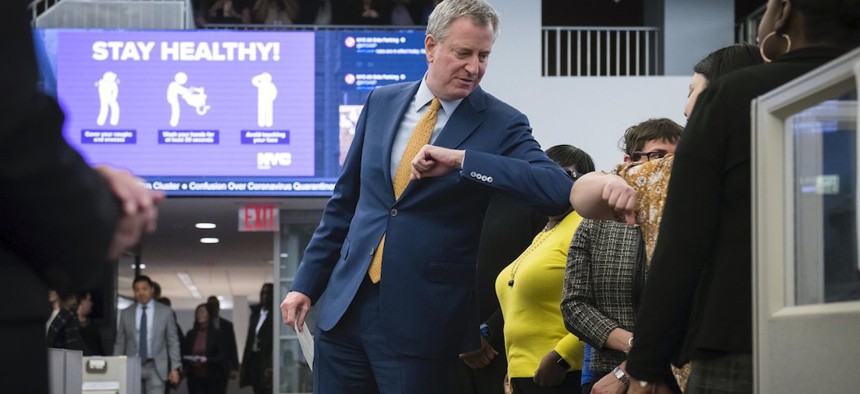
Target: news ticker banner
point(250, 186)
point(190, 104)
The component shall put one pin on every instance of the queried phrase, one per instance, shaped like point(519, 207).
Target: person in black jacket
point(256, 368)
point(90, 333)
point(206, 354)
point(697, 302)
point(228, 334)
point(63, 329)
point(60, 219)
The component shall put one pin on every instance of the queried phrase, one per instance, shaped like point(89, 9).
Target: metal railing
point(117, 14)
point(746, 30)
point(601, 51)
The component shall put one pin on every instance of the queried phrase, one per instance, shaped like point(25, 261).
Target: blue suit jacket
point(427, 291)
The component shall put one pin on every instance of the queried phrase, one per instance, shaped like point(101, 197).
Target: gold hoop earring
point(764, 42)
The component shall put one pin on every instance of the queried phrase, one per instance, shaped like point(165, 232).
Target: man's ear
point(783, 16)
point(627, 159)
point(429, 47)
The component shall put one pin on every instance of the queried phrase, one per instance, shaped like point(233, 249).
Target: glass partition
point(825, 194)
point(294, 375)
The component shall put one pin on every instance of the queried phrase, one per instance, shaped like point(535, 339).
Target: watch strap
point(620, 375)
point(562, 363)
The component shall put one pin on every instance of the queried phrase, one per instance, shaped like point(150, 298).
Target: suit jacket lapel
point(156, 333)
point(464, 121)
point(461, 124)
point(400, 102)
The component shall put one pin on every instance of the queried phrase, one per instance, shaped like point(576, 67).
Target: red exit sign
point(254, 217)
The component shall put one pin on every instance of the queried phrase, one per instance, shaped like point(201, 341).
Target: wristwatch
point(486, 332)
point(562, 362)
point(620, 375)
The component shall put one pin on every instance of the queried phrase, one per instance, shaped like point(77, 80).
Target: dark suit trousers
point(24, 362)
point(355, 358)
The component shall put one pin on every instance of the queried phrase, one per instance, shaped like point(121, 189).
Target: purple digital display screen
point(204, 103)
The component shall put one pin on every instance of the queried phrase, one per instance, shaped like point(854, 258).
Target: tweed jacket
point(599, 286)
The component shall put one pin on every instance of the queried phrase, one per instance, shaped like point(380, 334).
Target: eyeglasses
point(652, 155)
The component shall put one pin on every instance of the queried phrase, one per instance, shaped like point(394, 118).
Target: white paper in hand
point(306, 341)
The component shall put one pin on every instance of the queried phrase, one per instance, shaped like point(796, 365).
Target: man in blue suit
point(395, 252)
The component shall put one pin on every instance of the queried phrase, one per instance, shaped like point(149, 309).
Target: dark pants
point(487, 380)
point(208, 385)
point(572, 384)
point(729, 374)
point(355, 357)
point(253, 366)
point(24, 361)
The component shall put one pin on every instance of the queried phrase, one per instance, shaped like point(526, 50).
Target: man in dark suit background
point(256, 368)
point(397, 244)
point(60, 220)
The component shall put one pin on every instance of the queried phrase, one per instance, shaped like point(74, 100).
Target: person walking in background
point(542, 356)
point(227, 333)
point(399, 237)
point(90, 333)
point(256, 368)
point(147, 330)
point(63, 330)
point(159, 298)
point(206, 355)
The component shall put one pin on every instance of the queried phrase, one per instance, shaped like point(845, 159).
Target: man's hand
point(432, 161)
point(139, 211)
point(621, 197)
point(294, 309)
point(549, 373)
point(480, 358)
point(608, 384)
point(234, 374)
point(173, 377)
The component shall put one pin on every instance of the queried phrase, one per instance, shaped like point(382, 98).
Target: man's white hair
point(479, 11)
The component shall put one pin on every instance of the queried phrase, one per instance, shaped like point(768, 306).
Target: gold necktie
point(420, 137)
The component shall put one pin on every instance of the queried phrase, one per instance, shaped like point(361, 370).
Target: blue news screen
point(222, 113)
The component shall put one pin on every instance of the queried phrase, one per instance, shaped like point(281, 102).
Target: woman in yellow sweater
point(543, 357)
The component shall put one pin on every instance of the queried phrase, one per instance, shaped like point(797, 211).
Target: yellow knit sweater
point(531, 307)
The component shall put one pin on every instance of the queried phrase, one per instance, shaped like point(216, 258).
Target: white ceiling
point(238, 265)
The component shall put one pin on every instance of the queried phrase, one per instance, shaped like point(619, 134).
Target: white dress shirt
point(416, 109)
point(150, 316)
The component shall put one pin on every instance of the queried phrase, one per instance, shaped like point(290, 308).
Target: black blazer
point(217, 352)
point(225, 327)
point(264, 356)
point(697, 302)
